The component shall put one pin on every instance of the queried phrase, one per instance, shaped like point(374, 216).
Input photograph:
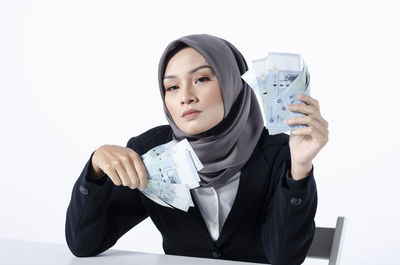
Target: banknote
point(172, 171)
point(155, 198)
point(175, 195)
point(156, 151)
point(278, 78)
point(300, 85)
point(260, 67)
point(257, 78)
point(162, 151)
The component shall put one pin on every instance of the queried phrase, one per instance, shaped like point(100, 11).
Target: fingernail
point(301, 96)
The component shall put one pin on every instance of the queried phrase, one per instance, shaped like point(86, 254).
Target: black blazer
point(271, 220)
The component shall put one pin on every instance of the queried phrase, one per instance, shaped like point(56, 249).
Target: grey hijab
point(225, 148)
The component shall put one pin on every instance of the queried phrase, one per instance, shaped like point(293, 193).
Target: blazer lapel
point(197, 217)
point(252, 179)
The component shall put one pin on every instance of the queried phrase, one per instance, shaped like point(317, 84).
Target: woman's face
point(191, 84)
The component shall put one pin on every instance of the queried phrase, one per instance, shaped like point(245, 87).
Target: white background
point(78, 74)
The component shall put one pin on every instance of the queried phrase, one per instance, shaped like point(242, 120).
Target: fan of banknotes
point(171, 173)
point(278, 79)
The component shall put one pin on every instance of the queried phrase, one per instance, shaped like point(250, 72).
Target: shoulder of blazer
point(273, 146)
point(150, 138)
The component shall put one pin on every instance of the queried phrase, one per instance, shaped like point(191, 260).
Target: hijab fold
point(225, 148)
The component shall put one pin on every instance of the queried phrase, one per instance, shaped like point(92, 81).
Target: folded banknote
point(172, 171)
point(278, 78)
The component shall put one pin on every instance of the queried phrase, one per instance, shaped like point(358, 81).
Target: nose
point(187, 95)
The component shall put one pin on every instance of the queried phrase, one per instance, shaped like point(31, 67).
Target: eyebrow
point(190, 72)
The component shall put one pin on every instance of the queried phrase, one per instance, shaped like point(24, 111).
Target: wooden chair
point(327, 242)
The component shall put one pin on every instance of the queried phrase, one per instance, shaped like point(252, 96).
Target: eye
point(203, 78)
point(171, 88)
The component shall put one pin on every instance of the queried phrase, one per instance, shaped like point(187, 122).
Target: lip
point(190, 113)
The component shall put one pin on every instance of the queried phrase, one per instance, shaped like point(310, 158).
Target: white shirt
point(216, 203)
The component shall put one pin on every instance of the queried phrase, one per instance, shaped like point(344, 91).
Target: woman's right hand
point(121, 164)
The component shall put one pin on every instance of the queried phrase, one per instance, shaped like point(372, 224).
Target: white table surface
point(18, 252)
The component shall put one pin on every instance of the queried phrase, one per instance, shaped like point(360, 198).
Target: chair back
point(327, 242)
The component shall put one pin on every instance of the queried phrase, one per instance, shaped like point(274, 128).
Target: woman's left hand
point(305, 143)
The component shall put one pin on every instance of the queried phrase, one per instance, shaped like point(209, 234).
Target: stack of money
point(171, 173)
point(278, 79)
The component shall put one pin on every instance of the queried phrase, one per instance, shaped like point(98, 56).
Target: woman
point(257, 197)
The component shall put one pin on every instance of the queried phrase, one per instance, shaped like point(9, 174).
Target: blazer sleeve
point(99, 213)
point(289, 227)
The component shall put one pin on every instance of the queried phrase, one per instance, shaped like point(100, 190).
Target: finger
point(314, 132)
point(308, 100)
point(123, 175)
point(308, 120)
point(130, 169)
point(323, 121)
point(302, 108)
point(140, 169)
point(113, 175)
point(309, 110)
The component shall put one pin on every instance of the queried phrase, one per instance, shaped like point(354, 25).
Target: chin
point(192, 130)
